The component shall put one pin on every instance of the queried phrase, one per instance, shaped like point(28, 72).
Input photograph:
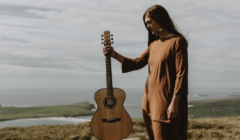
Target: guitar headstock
point(106, 38)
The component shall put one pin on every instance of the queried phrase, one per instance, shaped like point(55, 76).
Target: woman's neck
point(165, 34)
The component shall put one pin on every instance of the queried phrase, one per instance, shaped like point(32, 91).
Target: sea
point(132, 104)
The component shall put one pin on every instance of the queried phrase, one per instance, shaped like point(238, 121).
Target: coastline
point(51, 117)
point(214, 108)
point(207, 108)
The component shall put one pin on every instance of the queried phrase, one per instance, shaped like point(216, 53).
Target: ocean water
point(132, 104)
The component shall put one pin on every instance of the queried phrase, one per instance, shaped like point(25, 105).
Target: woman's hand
point(172, 111)
point(106, 50)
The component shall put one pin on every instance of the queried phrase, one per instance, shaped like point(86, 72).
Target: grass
point(79, 109)
point(226, 128)
point(198, 129)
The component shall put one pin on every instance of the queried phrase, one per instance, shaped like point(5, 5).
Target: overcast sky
point(57, 43)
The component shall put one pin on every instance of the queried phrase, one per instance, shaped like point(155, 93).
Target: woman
point(164, 100)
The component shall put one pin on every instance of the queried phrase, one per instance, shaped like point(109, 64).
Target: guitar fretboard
point(109, 76)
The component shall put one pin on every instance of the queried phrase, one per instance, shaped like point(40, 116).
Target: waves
point(44, 121)
point(67, 119)
point(203, 95)
point(236, 94)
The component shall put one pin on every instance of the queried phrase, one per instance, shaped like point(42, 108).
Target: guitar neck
point(107, 41)
point(109, 76)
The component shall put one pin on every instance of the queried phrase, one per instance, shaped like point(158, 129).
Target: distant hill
point(215, 107)
point(72, 110)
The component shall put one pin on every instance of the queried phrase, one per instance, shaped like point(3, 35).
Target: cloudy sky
point(57, 43)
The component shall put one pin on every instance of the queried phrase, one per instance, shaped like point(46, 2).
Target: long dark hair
point(160, 14)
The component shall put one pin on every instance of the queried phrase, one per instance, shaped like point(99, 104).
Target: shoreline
point(49, 117)
point(214, 108)
point(192, 106)
point(3, 120)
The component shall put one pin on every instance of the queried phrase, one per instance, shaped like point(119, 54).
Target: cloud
point(62, 37)
point(3, 38)
point(20, 11)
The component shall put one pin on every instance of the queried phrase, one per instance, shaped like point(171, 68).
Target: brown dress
point(168, 75)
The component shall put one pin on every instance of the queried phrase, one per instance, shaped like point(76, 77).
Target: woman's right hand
point(106, 50)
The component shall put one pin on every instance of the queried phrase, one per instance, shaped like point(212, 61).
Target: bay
point(44, 97)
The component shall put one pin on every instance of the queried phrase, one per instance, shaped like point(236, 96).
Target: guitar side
point(120, 124)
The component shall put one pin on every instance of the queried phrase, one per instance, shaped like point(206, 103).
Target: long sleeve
point(130, 64)
point(181, 64)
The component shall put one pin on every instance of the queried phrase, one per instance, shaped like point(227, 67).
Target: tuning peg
point(102, 42)
point(111, 38)
point(102, 38)
point(102, 35)
point(112, 42)
point(111, 34)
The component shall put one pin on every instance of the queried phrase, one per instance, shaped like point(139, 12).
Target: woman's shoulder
point(179, 40)
point(179, 43)
point(172, 38)
point(173, 41)
point(176, 37)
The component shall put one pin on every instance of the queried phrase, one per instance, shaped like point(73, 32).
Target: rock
point(73, 138)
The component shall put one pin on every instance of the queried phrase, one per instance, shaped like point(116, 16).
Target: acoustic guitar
point(110, 121)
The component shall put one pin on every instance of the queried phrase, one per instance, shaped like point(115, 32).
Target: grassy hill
point(198, 129)
point(78, 109)
point(224, 128)
point(215, 107)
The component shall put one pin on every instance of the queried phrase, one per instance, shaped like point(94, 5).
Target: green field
point(78, 109)
point(215, 108)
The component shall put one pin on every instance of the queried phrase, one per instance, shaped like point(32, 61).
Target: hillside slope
point(78, 109)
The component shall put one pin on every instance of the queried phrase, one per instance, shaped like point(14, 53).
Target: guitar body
point(111, 123)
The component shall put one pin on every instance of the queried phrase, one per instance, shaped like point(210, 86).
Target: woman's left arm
point(181, 83)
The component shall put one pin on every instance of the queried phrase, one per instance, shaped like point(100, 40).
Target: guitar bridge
point(111, 120)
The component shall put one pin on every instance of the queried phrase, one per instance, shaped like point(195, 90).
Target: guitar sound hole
point(110, 102)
